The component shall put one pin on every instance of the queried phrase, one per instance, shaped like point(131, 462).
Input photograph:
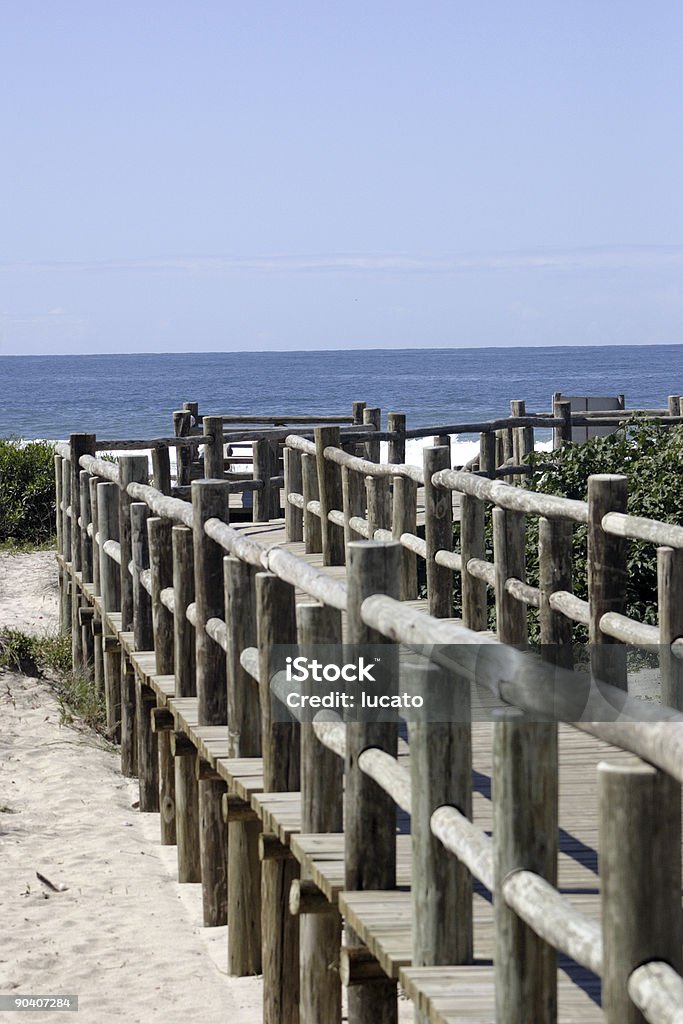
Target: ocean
point(133, 396)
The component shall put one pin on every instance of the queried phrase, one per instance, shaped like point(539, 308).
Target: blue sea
point(133, 396)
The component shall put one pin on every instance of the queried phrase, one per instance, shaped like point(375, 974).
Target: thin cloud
point(658, 257)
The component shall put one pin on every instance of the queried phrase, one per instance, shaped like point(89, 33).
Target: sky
point(240, 176)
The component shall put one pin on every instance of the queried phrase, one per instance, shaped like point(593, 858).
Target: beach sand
point(123, 935)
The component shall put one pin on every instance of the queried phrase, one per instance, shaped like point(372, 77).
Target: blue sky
point(272, 175)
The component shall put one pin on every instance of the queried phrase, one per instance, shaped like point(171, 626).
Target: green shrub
point(27, 492)
point(651, 456)
point(49, 657)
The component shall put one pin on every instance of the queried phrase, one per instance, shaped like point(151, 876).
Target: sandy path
point(124, 936)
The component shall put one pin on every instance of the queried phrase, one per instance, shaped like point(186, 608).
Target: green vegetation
point(49, 657)
point(27, 494)
point(651, 456)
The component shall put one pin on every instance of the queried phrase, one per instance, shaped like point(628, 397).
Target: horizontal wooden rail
point(571, 606)
point(657, 991)
point(113, 549)
point(638, 528)
point(139, 444)
point(614, 420)
point(376, 469)
point(523, 680)
point(515, 499)
point(389, 774)
point(629, 631)
point(464, 839)
point(554, 919)
point(179, 512)
point(281, 421)
point(484, 426)
point(100, 467)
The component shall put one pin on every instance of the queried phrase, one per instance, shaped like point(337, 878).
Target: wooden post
point(210, 500)
point(80, 444)
point(357, 410)
point(294, 517)
point(354, 501)
point(108, 529)
point(65, 604)
point(330, 490)
point(98, 656)
point(62, 577)
point(556, 397)
point(404, 520)
point(607, 573)
point(161, 468)
point(562, 410)
point(673, 405)
point(555, 573)
point(132, 469)
point(322, 776)
point(276, 470)
point(87, 638)
point(143, 637)
point(379, 504)
point(214, 466)
point(161, 575)
point(500, 452)
point(509, 559)
point(438, 533)
point(441, 773)
point(275, 613)
point(373, 418)
point(148, 748)
point(66, 521)
point(508, 450)
point(487, 454)
point(92, 488)
point(182, 424)
point(670, 601)
point(373, 568)
point(183, 596)
point(244, 740)
point(313, 541)
point(525, 826)
point(473, 545)
point(129, 738)
point(186, 786)
point(193, 409)
point(640, 878)
point(396, 422)
point(523, 439)
point(263, 498)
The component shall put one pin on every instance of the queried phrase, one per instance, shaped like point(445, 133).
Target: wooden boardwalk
point(383, 920)
point(167, 616)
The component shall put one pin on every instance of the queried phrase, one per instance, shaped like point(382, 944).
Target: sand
point(123, 935)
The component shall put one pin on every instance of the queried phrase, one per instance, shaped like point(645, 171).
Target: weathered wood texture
point(210, 500)
point(640, 874)
point(525, 823)
point(281, 761)
point(606, 576)
point(438, 533)
point(321, 811)
point(373, 568)
point(244, 740)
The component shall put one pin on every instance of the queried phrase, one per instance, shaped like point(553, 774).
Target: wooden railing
point(146, 572)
